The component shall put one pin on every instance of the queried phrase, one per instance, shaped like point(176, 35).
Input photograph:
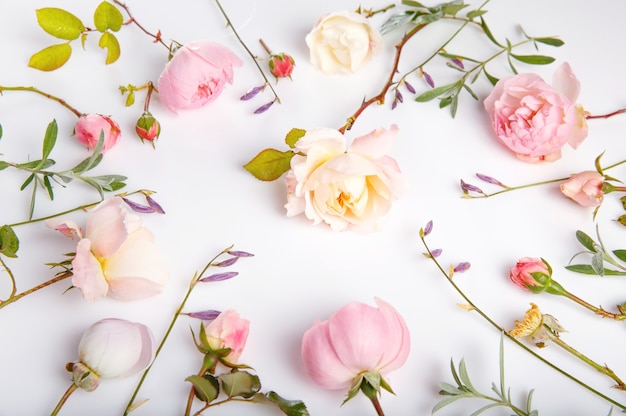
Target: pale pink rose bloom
point(535, 120)
point(89, 127)
point(349, 189)
point(355, 339)
point(521, 273)
point(585, 188)
point(117, 256)
point(228, 330)
point(342, 42)
point(68, 228)
point(116, 348)
point(196, 75)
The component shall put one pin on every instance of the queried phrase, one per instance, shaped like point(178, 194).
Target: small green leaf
point(396, 21)
point(3, 165)
point(453, 8)
point(493, 80)
point(59, 23)
point(0, 131)
point(598, 264)
point(550, 41)
point(36, 164)
point(240, 384)
point(109, 41)
point(270, 164)
point(620, 254)
point(27, 181)
point(475, 13)
point(51, 58)
point(436, 92)
point(412, 3)
point(534, 59)
point(9, 243)
point(107, 16)
point(49, 139)
point(48, 186)
point(586, 241)
point(622, 219)
point(288, 407)
point(488, 33)
point(588, 269)
point(205, 388)
point(293, 136)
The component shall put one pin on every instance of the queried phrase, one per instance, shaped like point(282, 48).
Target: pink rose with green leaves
point(89, 127)
point(196, 75)
point(521, 274)
point(585, 188)
point(228, 330)
point(534, 119)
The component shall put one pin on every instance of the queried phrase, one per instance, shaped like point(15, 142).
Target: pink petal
point(68, 228)
point(87, 272)
point(398, 341)
point(565, 82)
point(375, 144)
point(106, 227)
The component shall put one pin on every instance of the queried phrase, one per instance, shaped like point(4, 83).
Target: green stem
point(601, 368)
point(514, 188)
point(14, 298)
point(66, 396)
point(510, 337)
point(377, 406)
point(597, 310)
point(45, 94)
point(256, 63)
point(11, 279)
point(195, 279)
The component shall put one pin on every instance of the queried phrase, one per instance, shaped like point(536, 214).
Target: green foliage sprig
point(599, 257)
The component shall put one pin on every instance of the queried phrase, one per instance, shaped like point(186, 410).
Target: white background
point(301, 272)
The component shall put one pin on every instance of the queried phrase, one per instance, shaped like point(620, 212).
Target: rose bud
point(228, 330)
point(148, 127)
point(535, 275)
point(585, 188)
point(89, 127)
point(281, 65)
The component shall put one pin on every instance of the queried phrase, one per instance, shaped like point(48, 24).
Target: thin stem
point(264, 45)
point(614, 113)
point(146, 105)
point(157, 37)
point(513, 188)
point(66, 396)
point(15, 298)
point(195, 279)
point(229, 23)
point(11, 279)
point(510, 337)
point(376, 404)
point(597, 310)
point(45, 94)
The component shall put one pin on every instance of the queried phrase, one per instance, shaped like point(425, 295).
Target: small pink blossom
point(521, 274)
point(585, 188)
point(228, 330)
point(281, 65)
point(535, 120)
point(89, 127)
point(196, 75)
point(357, 338)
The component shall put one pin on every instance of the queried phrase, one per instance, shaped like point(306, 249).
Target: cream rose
point(347, 189)
point(342, 42)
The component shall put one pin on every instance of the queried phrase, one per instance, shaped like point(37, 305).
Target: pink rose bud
point(585, 188)
point(148, 127)
point(228, 330)
point(357, 338)
point(112, 348)
point(196, 75)
point(89, 127)
point(535, 275)
point(281, 65)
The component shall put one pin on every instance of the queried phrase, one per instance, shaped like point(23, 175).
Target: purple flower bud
point(399, 96)
point(429, 79)
point(240, 253)
point(207, 315)
point(155, 205)
point(218, 277)
point(143, 209)
point(436, 252)
point(461, 267)
point(252, 92)
point(491, 180)
point(458, 62)
point(428, 228)
point(409, 87)
point(226, 263)
point(470, 188)
point(394, 104)
point(264, 107)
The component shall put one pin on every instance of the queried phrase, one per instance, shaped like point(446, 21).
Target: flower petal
point(87, 272)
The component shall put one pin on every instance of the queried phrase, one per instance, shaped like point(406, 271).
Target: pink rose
point(534, 119)
point(357, 338)
point(521, 274)
point(89, 127)
point(347, 189)
point(585, 188)
point(281, 65)
point(117, 256)
point(228, 330)
point(196, 75)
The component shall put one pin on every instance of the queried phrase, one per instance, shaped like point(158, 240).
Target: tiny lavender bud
point(252, 92)
point(458, 62)
point(409, 87)
point(436, 253)
point(281, 65)
point(147, 127)
point(226, 263)
point(143, 209)
point(218, 277)
point(491, 180)
point(470, 188)
point(207, 315)
point(428, 228)
point(155, 205)
point(264, 107)
point(240, 253)
point(428, 79)
point(462, 267)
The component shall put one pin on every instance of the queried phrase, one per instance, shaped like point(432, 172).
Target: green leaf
point(87, 164)
point(453, 8)
point(288, 407)
point(534, 59)
point(206, 388)
point(3, 165)
point(436, 92)
point(48, 186)
point(36, 164)
point(586, 241)
point(240, 384)
point(488, 33)
point(9, 243)
point(49, 139)
point(107, 16)
point(396, 21)
point(493, 80)
point(412, 3)
point(293, 136)
point(0, 131)
point(475, 13)
point(51, 58)
point(598, 264)
point(270, 164)
point(588, 269)
point(620, 254)
point(106, 182)
point(59, 23)
point(109, 41)
point(550, 41)
point(27, 181)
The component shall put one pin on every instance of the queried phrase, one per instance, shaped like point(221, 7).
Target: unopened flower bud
point(83, 376)
point(281, 65)
point(147, 127)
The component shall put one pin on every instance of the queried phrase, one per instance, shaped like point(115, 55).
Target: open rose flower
point(535, 120)
point(522, 273)
point(342, 42)
point(196, 75)
point(585, 188)
point(355, 340)
point(228, 330)
point(348, 189)
point(117, 256)
point(89, 127)
point(112, 348)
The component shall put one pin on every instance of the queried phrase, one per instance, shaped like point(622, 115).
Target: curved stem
point(510, 337)
point(15, 298)
point(66, 396)
point(614, 113)
point(11, 279)
point(45, 94)
point(513, 188)
point(376, 404)
point(157, 37)
point(597, 310)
